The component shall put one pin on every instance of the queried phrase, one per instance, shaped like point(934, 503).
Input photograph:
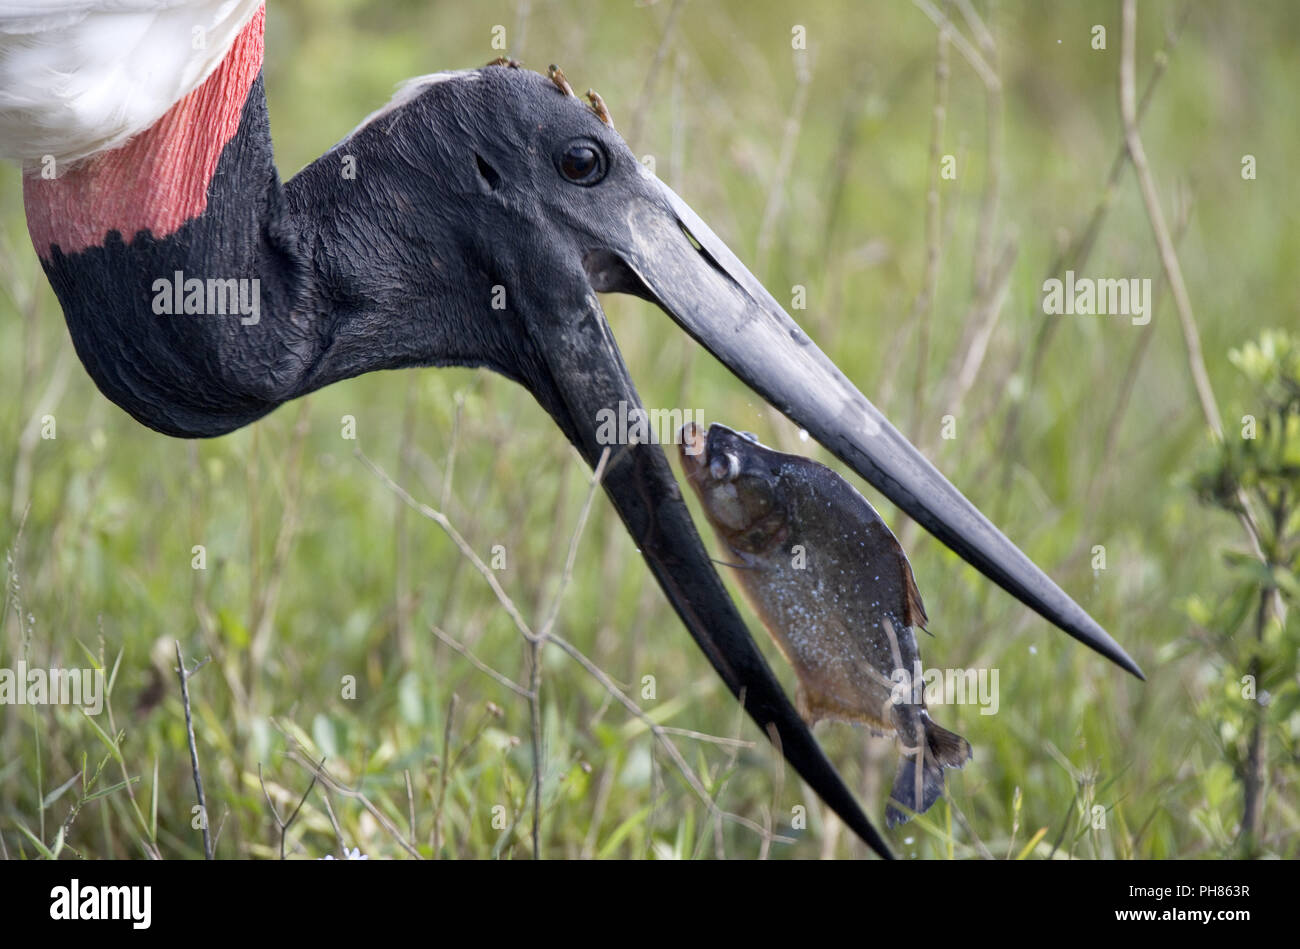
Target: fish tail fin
point(916, 794)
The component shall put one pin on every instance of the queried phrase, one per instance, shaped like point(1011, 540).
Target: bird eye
point(582, 163)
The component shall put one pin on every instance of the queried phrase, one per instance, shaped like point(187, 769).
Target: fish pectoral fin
point(801, 704)
point(733, 566)
point(743, 560)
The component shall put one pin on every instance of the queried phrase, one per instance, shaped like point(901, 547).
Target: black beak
point(582, 373)
point(692, 275)
point(649, 243)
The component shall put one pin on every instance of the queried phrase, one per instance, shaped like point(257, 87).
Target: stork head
point(550, 207)
point(555, 204)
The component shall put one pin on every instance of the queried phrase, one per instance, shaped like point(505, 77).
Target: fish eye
point(581, 162)
point(724, 467)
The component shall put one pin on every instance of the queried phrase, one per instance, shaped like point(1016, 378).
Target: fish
point(834, 589)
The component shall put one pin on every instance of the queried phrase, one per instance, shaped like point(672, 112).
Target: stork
point(148, 160)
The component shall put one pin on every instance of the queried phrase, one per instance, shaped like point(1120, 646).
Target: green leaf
point(91, 656)
point(104, 792)
point(112, 677)
point(103, 736)
point(1033, 842)
point(58, 792)
point(153, 804)
point(621, 832)
point(36, 842)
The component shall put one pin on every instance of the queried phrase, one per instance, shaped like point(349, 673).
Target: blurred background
point(1082, 437)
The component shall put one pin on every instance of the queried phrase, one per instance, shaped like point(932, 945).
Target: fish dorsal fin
point(914, 609)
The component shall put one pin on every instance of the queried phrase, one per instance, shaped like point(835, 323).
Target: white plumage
point(81, 76)
point(410, 89)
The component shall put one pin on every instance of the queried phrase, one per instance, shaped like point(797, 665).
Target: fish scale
point(833, 588)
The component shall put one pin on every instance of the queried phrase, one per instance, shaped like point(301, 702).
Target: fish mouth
point(692, 450)
point(694, 442)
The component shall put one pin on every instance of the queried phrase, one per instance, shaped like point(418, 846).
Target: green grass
point(315, 571)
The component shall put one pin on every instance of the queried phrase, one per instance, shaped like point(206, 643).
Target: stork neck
point(158, 180)
point(200, 292)
point(177, 265)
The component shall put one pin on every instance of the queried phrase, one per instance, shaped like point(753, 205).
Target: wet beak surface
point(705, 289)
